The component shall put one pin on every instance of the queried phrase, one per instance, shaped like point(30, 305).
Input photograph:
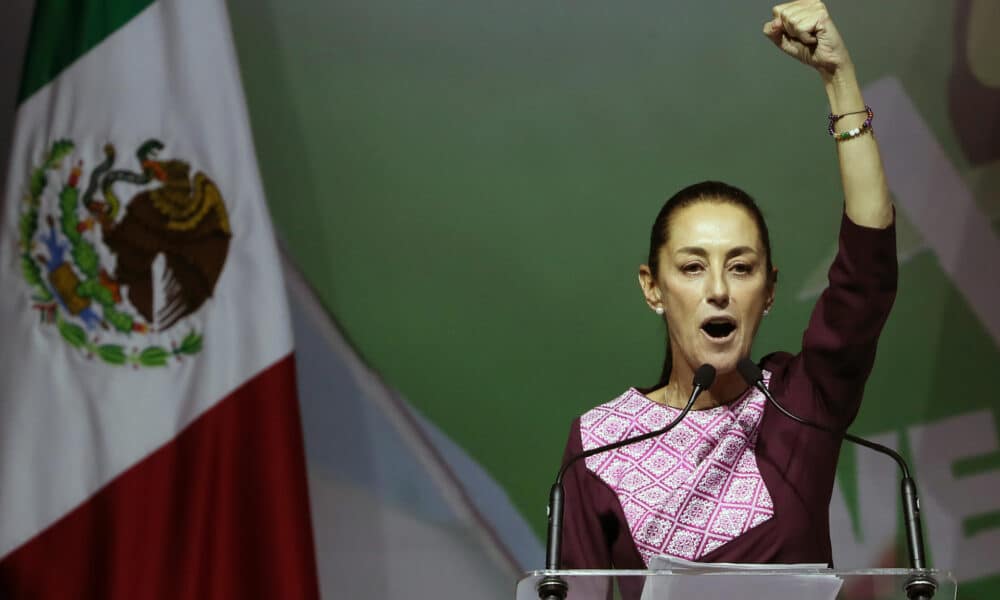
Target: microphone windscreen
point(751, 373)
point(704, 376)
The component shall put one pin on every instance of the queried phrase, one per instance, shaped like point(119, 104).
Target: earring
point(658, 310)
point(766, 311)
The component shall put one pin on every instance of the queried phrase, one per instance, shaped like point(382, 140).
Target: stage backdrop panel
point(469, 186)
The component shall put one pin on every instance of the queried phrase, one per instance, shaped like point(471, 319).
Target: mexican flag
point(150, 441)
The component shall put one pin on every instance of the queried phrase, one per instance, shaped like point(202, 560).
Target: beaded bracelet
point(852, 133)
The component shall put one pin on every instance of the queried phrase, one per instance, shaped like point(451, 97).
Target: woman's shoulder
point(631, 401)
point(631, 413)
point(776, 362)
point(782, 366)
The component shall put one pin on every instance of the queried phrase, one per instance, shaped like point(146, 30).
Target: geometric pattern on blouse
point(691, 491)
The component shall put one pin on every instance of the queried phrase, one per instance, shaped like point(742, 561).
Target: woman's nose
point(718, 291)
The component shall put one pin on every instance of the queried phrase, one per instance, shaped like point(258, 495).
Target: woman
point(737, 481)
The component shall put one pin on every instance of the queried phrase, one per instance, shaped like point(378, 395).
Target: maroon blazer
point(824, 383)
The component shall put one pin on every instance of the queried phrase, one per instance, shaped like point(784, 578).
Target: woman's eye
point(691, 268)
point(742, 268)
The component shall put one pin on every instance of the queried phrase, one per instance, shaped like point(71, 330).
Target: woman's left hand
point(803, 29)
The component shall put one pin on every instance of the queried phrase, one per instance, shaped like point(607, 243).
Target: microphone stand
point(920, 586)
point(553, 587)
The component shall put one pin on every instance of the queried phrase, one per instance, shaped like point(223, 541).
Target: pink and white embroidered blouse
point(690, 491)
point(742, 483)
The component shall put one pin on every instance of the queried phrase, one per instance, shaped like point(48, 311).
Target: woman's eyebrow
point(739, 250)
point(699, 251)
point(693, 250)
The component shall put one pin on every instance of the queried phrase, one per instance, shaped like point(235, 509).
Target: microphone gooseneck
point(919, 586)
point(554, 587)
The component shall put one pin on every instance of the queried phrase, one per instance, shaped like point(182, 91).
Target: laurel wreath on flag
point(87, 270)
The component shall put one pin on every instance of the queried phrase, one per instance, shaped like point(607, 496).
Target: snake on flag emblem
point(115, 276)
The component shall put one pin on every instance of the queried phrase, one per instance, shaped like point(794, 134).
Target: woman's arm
point(839, 345)
point(804, 30)
point(584, 545)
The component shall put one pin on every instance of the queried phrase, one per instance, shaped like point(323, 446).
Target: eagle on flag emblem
point(108, 273)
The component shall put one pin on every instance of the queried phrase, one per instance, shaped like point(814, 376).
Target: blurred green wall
point(469, 186)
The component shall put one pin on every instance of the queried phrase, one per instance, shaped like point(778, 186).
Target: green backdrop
point(469, 186)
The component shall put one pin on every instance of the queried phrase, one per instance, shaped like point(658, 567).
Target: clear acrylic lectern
point(742, 584)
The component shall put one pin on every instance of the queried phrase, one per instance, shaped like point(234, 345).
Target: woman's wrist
point(843, 90)
point(844, 95)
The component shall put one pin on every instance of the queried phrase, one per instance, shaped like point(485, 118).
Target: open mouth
point(719, 328)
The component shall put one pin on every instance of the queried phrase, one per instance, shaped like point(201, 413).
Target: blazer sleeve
point(839, 344)
point(585, 540)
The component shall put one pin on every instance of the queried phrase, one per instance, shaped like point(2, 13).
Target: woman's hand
point(803, 29)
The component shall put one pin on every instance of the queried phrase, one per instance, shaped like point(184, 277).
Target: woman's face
point(712, 283)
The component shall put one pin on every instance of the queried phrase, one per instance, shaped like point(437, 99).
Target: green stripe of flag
point(62, 32)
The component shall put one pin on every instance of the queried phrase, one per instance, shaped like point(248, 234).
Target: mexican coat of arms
point(115, 276)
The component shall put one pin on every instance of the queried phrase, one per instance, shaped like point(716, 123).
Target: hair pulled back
point(705, 191)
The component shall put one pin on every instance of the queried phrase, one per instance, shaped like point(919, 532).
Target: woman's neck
point(726, 388)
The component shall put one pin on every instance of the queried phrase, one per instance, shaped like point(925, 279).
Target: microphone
point(554, 587)
point(919, 586)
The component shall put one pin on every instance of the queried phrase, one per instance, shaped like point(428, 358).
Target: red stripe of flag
point(221, 511)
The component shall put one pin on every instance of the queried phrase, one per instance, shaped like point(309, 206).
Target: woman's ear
point(772, 286)
point(650, 289)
